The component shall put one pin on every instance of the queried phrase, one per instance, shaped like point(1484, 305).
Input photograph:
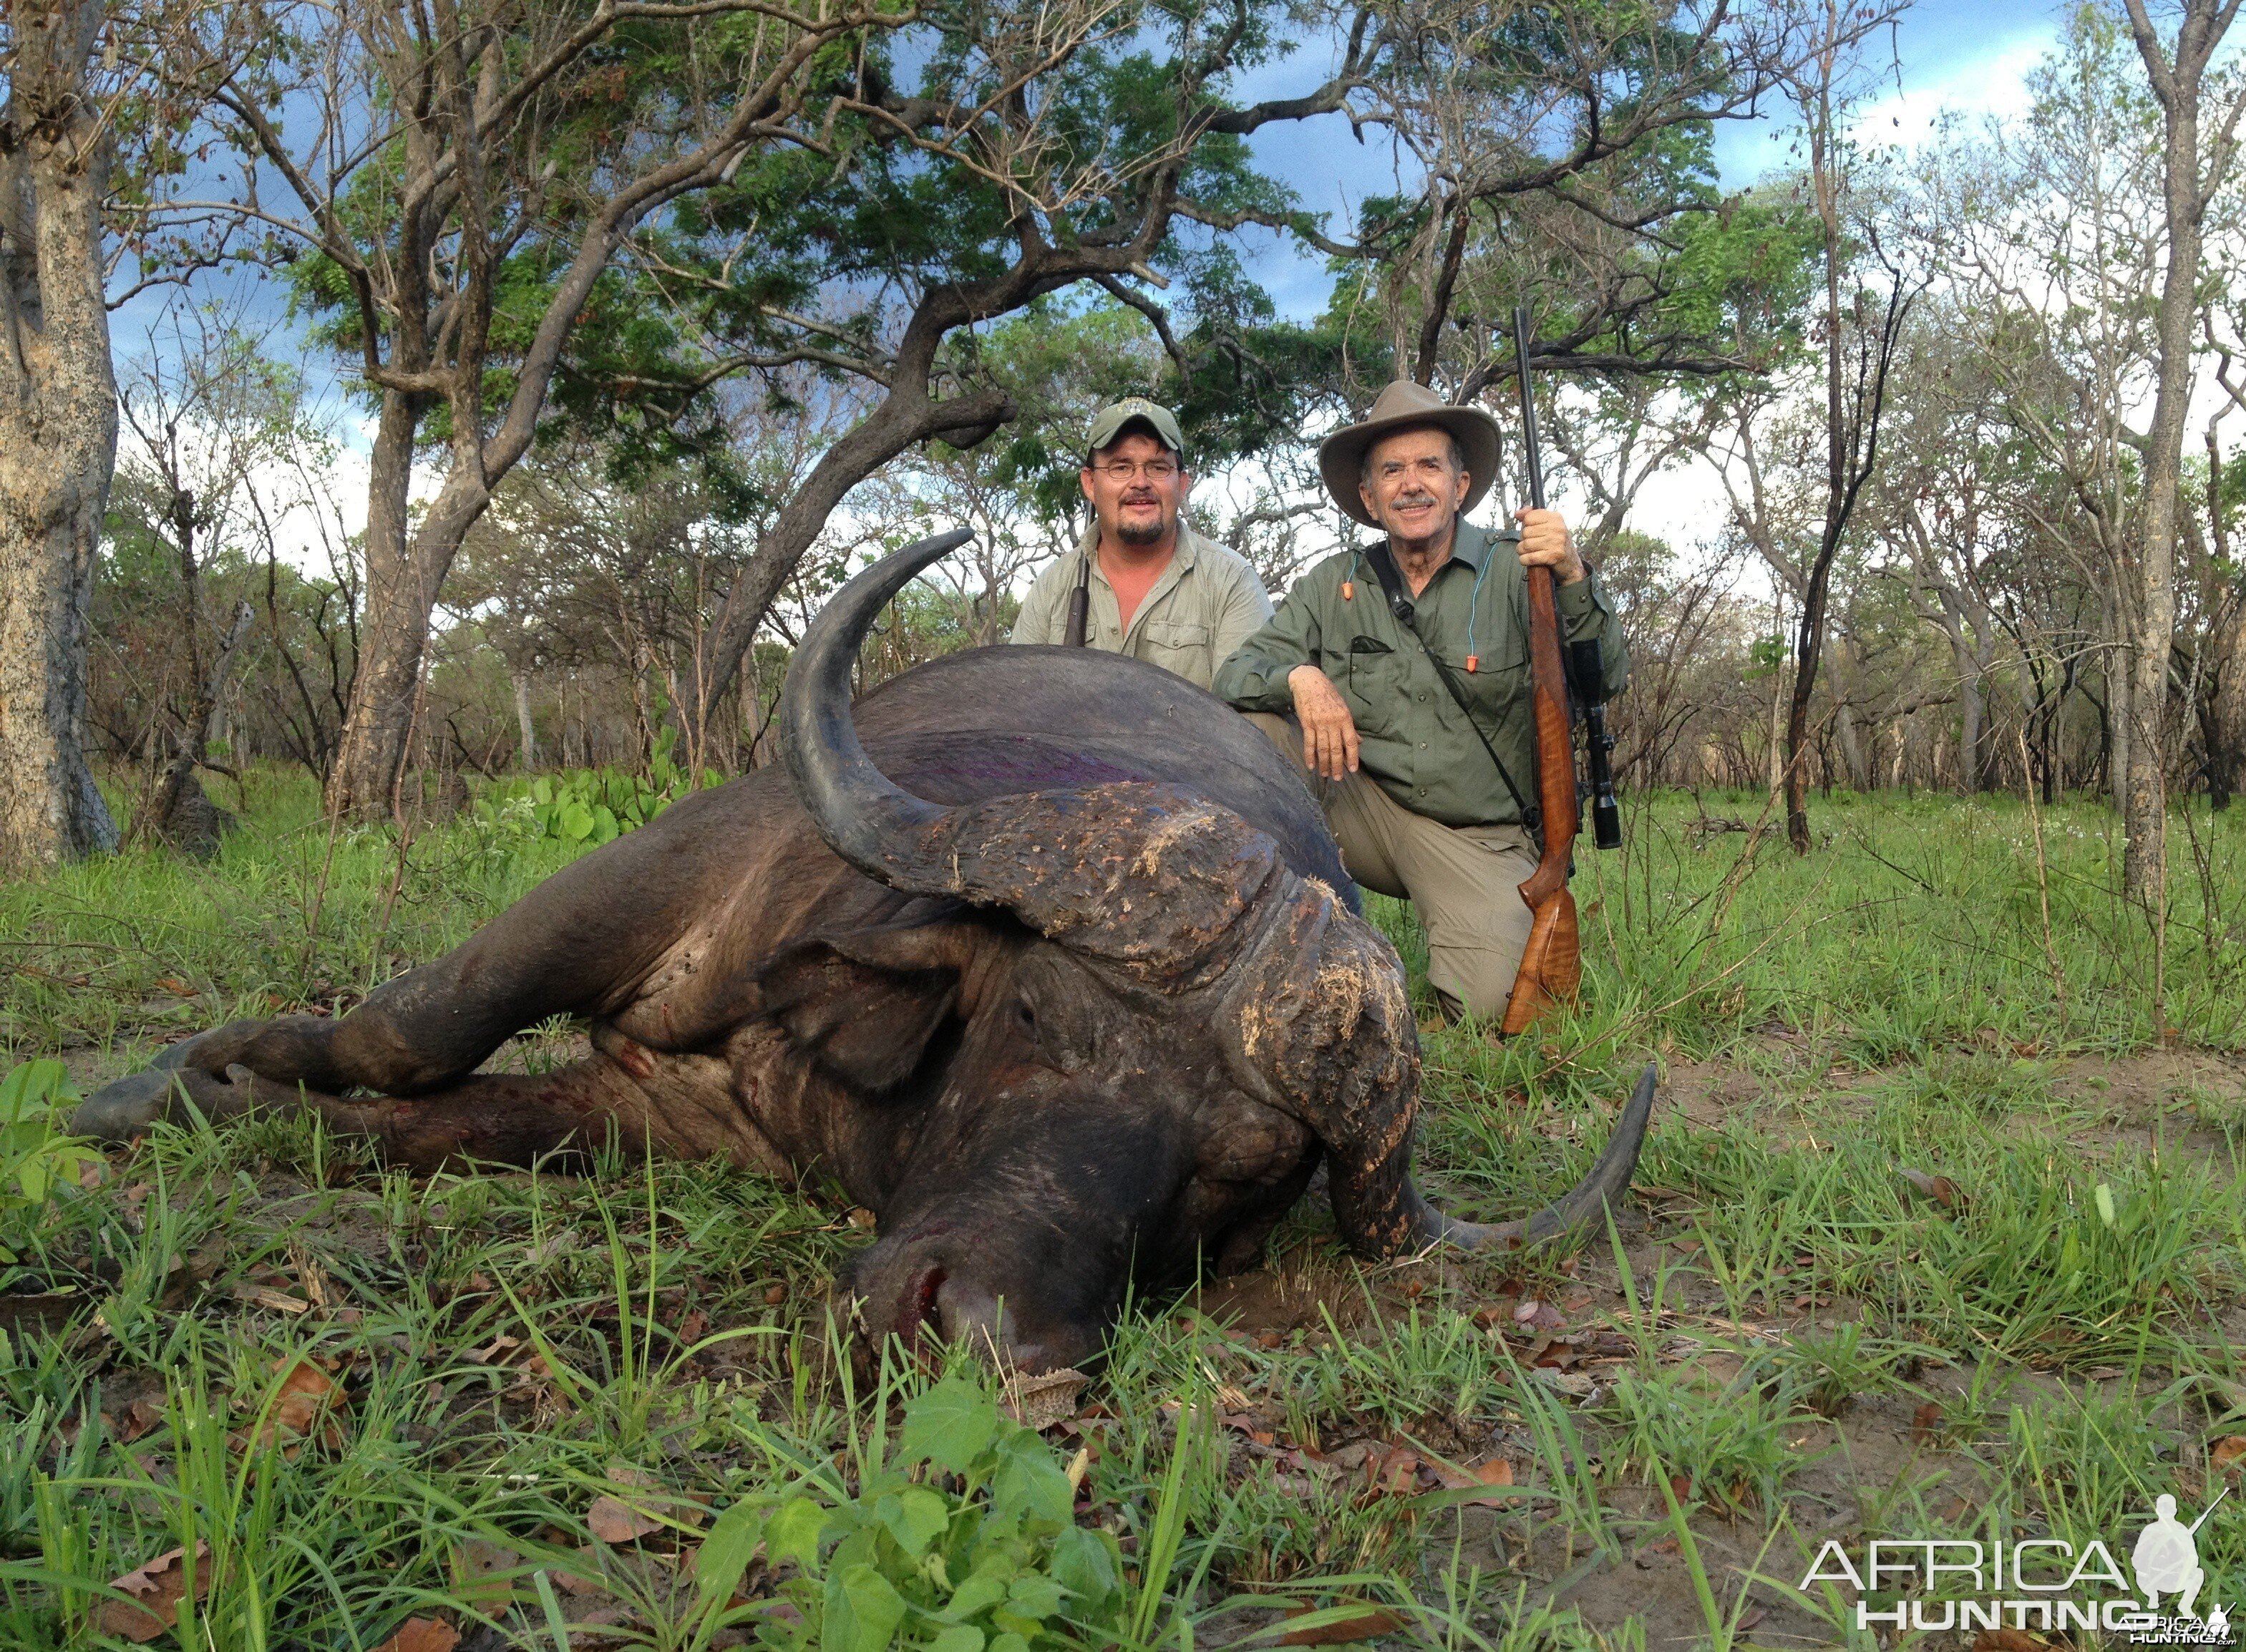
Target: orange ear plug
point(1348, 591)
point(1471, 662)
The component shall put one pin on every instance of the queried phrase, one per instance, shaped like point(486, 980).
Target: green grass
point(1781, 1341)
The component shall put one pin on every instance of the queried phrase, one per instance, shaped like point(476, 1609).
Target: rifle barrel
point(1533, 451)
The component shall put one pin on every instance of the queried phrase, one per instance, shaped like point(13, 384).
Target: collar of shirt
point(1182, 555)
point(1470, 545)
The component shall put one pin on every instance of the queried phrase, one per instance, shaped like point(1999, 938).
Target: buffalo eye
point(1025, 1018)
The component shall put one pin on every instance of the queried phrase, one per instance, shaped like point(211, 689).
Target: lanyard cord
point(1474, 603)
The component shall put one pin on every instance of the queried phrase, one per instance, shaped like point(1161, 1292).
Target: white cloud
point(1992, 83)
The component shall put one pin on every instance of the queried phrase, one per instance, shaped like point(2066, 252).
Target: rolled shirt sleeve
point(1043, 612)
point(1254, 675)
point(1245, 609)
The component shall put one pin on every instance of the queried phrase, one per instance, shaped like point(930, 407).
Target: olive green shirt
point(1412, 738)
point(1205, 604)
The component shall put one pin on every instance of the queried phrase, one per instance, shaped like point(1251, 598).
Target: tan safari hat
point(1110, 421)
point(1404, 405)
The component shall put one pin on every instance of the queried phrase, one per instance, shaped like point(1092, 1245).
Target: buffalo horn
point(1583, 1207)
point(864, 817)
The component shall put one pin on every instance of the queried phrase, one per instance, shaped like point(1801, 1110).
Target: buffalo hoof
point(218, 1049)
point(125, 1109)
point(121, 1111)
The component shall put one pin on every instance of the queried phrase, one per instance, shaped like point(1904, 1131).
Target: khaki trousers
point(1464, 880)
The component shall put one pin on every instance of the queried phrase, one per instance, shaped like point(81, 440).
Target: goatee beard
point(1142, 532)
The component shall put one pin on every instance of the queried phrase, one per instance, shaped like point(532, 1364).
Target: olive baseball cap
point(1110, 422)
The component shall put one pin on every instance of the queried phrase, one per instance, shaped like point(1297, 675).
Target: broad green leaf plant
point(37, 1156)
point(964, 1541)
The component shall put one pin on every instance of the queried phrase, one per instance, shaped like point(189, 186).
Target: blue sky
point(1971, 56)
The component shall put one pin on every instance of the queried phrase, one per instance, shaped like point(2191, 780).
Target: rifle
point(1080, 605)
point(1552, 964)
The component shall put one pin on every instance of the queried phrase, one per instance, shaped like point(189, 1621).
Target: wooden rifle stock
point(1552, 966)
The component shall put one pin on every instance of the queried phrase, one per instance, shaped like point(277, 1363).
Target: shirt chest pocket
point(1177, 645)
point(1374, 683)
point(1500, 679)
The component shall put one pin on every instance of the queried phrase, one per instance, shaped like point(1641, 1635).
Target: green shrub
point(593, 806)
point(37, 1156)
point(965, 1542)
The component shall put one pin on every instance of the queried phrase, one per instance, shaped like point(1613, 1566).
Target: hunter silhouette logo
point(2167, 1557)
point(2044, 1583)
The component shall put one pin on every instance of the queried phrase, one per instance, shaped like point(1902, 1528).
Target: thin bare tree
point(2198, 145)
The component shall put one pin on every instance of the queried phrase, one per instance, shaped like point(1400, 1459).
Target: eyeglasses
point(1122, 470)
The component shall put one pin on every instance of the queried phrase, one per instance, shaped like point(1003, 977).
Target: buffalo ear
point(868, 1002)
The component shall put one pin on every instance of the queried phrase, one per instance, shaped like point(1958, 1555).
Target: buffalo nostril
point(916, 1308)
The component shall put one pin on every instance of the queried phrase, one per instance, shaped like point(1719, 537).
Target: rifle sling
point(1391, 586)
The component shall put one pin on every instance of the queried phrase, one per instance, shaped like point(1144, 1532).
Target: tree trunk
point(405, 570)
point(192, 742)
point(2151, 605)
point(528, 754)
point(1970, 718)
point(905, 416)
point(58, 434)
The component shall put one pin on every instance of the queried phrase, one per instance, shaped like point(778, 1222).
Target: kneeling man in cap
point(1158, 591)
point(1427, 804)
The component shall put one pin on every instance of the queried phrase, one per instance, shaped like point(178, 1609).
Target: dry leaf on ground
point(157, 1588)
point(1367, 1625)
point(2227, 1456)
point(1943, 1191)
point(480, 1574)
point(422, 1635)
point(278, 1301)
point(615, 1522)
point(304, 1408)
point(1044, 1400)
point(1495, 1474)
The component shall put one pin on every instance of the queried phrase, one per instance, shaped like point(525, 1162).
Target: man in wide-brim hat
point(1426, 805)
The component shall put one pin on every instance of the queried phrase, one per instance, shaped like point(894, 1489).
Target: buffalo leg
point(676, 1106)
point(580, 944)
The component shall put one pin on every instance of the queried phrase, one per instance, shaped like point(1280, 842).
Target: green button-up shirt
point(1205, 604)
point(1413, 740)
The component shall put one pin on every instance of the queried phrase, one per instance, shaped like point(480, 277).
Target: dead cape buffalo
point(1058, 972)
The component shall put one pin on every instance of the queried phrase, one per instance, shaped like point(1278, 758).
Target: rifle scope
point(1587, 667)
